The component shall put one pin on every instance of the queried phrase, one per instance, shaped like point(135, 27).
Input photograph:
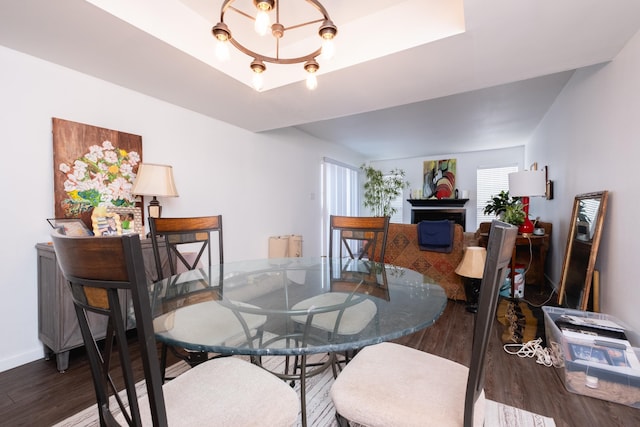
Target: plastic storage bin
point(592, 358)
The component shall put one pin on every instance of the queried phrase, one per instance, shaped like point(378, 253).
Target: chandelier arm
point(271, 59)
point(320, 8)
point(238, 11)
point(293, 27)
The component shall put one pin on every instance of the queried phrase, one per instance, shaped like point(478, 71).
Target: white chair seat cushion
point(208, 323)
point(226, 392)
point(353, 318)
point(390, 385)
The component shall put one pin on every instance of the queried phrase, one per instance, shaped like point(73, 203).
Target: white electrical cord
point(531, 349)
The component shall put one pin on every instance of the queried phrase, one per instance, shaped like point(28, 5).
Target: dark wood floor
point(35, 394)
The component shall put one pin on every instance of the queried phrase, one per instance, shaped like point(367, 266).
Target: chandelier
point(275, 47)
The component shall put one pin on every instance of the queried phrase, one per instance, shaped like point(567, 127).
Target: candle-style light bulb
point(312, 81)
point(328, 48)
point(262, 23)
point(311, 67)
point(222, 50)
point(258, 81)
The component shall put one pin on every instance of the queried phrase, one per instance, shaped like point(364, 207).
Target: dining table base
point(300, 373)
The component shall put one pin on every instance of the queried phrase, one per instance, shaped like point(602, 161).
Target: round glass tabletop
point(289, 306)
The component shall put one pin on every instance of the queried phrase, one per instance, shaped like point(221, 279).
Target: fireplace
point(434, 210)
point(456, 215)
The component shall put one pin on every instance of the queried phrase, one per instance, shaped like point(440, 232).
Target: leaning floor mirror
point(582, 249)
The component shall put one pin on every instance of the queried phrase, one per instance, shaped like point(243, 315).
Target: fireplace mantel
point(438, 203)
point(438, 209)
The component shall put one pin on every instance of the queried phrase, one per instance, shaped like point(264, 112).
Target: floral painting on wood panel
point(93, 167)
point(439, 179)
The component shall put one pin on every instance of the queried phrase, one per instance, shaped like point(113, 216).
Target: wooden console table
point(530, 248)
point(58, 327)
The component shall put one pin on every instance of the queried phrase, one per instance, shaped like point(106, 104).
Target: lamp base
point(154, 208)
point(526, 227)
point(472, 292)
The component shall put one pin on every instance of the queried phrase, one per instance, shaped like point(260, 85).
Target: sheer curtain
point(340, 195)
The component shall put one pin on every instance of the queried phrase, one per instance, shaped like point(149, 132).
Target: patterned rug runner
point(320, 410)
point(521, 322)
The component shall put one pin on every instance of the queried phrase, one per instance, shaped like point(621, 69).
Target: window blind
point(490, 181)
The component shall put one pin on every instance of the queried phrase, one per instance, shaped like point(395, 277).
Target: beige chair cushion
point(354, 317)
point(390, 385)
point(226, 392)
point(208, 323)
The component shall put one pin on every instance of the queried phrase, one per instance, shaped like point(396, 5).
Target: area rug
point(499, 415)
point(521, 321)
point(320, 410)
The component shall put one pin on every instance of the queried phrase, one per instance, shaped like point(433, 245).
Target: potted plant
point(507, 208)
point(498, 204)
point(380, 189)
point(514, 214)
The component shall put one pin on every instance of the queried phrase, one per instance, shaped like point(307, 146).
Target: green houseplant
point(380, 189)
point(514, 214)
point(505, 207)
point(498, 204)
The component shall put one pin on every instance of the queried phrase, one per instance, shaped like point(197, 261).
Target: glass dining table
point(293, 307)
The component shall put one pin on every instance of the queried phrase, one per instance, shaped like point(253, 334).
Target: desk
point(265, 292)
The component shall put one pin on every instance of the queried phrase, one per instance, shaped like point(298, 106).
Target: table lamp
point(527, 184)
point(472, 268)
point(157, 181)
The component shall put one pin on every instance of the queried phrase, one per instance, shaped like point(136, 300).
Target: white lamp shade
point(527, 183)
point(472, 264)
point(154, 180)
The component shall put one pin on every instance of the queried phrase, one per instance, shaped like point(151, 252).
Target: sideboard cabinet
point(58, 327)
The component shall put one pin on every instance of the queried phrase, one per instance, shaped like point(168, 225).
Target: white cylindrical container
point(518, 286)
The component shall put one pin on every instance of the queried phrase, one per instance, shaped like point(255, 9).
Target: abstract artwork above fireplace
point(439, 179)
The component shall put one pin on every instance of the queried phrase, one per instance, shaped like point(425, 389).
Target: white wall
point(589, 138)
point(262, 184)
point(466, 166)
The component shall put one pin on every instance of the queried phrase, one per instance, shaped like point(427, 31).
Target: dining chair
point(178, 233)
point(188, 242)
point(349, 306)
point(193, 233)
point(369, 235)
point(361, 237)
point(359, 234)
point(104, 274)
point(389, 384)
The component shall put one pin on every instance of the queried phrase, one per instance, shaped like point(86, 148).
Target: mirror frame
point(593, 252)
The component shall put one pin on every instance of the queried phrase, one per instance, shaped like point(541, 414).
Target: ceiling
point(486, 85)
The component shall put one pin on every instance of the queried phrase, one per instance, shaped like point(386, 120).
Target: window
point(341, 194)
point(490, 182)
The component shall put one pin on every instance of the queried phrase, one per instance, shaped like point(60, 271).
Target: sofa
point(402, 249)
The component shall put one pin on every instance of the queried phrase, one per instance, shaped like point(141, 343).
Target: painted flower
point(102, 177)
